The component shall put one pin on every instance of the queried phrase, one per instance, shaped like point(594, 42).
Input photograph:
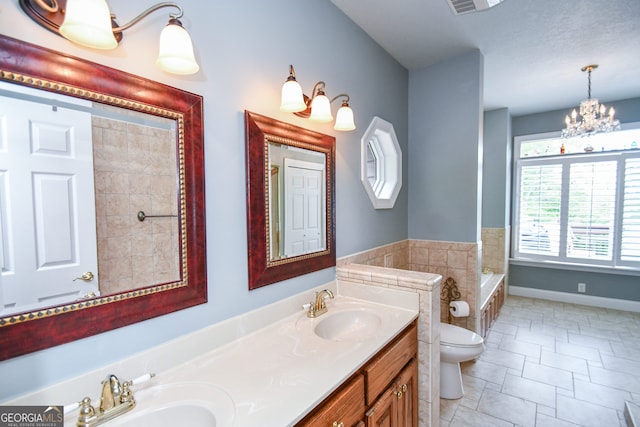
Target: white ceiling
point(533, 49)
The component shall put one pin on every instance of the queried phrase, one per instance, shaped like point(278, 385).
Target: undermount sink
point(180, 404)
point(348, 325)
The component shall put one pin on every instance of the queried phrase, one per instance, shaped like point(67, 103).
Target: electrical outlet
point(582, 287)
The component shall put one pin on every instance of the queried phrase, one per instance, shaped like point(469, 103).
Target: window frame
point(620, 156)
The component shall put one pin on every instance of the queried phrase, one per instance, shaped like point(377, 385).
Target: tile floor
point(549, 364)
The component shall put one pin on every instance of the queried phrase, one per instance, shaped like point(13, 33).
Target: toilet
point(456, 345)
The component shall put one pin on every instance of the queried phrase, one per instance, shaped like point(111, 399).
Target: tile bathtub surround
point(495, 249)
point(448, 259)
point(427, 286)
point(551, 364)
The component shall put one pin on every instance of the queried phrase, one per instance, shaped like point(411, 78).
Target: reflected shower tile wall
point(135, 169)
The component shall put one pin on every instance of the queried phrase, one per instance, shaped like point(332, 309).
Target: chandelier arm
point(147, 13)
point(51, 8)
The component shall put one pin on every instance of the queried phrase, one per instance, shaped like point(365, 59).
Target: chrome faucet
point(318, 307)
point(116, 399)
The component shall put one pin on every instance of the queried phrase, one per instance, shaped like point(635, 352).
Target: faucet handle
point(126, 395)
point(87, 412)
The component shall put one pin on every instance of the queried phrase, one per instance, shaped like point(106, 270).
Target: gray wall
point(244, 50)
point(609, 285)
point(496, 169)
point(445, 141)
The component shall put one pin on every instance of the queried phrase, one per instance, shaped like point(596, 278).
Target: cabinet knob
point(401, 390)
point(338, 424)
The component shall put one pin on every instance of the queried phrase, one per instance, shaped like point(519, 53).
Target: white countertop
point(271, 375)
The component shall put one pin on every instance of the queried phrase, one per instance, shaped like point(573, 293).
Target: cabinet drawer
point(346, 406)
point(388, 364)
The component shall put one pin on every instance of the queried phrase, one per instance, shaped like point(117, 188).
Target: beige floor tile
point(614, 379)
point(485, 371)
point(586, 414)
point(543, 420)
point(599, 343)
point(577, 350)
point(533, 391)
point(503, 358)
point(548, 375)
point(620, 364)
point(561, 361)
point(524, 348)
point(509, 408)
point(467, 418)
point(547, 341)
point(601, 395)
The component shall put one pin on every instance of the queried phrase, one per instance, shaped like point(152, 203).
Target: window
point(582, 206)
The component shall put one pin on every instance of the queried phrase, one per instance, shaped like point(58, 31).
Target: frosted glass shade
point(292, 100)
point(88, 23)
point(344, 118)
point(321, 109)
point(176, 50)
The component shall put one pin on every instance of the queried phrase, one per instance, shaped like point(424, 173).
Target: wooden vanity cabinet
point(345, 408)
point(384, 392)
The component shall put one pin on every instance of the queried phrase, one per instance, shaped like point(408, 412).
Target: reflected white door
point(47, 207)
point(304, 215)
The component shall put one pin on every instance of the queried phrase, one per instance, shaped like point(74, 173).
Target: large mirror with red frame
point(290, 200)
point(102, 213)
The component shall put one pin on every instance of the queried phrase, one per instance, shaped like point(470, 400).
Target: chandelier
point(594, 117)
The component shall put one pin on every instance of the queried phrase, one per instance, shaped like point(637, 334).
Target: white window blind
point(540, 196)
point(582, 207)
point(630, 242)
point(592, 201)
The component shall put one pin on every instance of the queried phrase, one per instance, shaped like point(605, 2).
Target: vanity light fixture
point(316, 108)
point(90, 23)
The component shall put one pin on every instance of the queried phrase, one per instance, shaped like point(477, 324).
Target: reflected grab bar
point(142, 216)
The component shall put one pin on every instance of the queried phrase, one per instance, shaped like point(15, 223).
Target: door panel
point(304, 217)
point(48, 215)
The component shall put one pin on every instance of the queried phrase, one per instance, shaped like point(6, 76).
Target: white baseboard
point(616, 304)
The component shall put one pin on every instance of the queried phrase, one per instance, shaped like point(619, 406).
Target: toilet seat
point(455, 336)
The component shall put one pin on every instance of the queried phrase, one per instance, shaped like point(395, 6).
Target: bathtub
point(485, 278)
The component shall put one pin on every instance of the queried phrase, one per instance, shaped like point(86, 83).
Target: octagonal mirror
point(381, 164)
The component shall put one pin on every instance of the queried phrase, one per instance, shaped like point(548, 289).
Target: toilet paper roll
point(459, 308)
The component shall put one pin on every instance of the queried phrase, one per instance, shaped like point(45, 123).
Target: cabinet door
point(385, 411)
point(345, 409)
point(407, 395)
point(387, 365)
point(398, 405)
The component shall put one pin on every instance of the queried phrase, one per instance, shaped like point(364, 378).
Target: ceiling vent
point(460, 7)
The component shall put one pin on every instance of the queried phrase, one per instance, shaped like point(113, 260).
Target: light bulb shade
point(344, 118)
point(88, 23)
point(292, 100)
point(176, 50)
point(321, 109)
